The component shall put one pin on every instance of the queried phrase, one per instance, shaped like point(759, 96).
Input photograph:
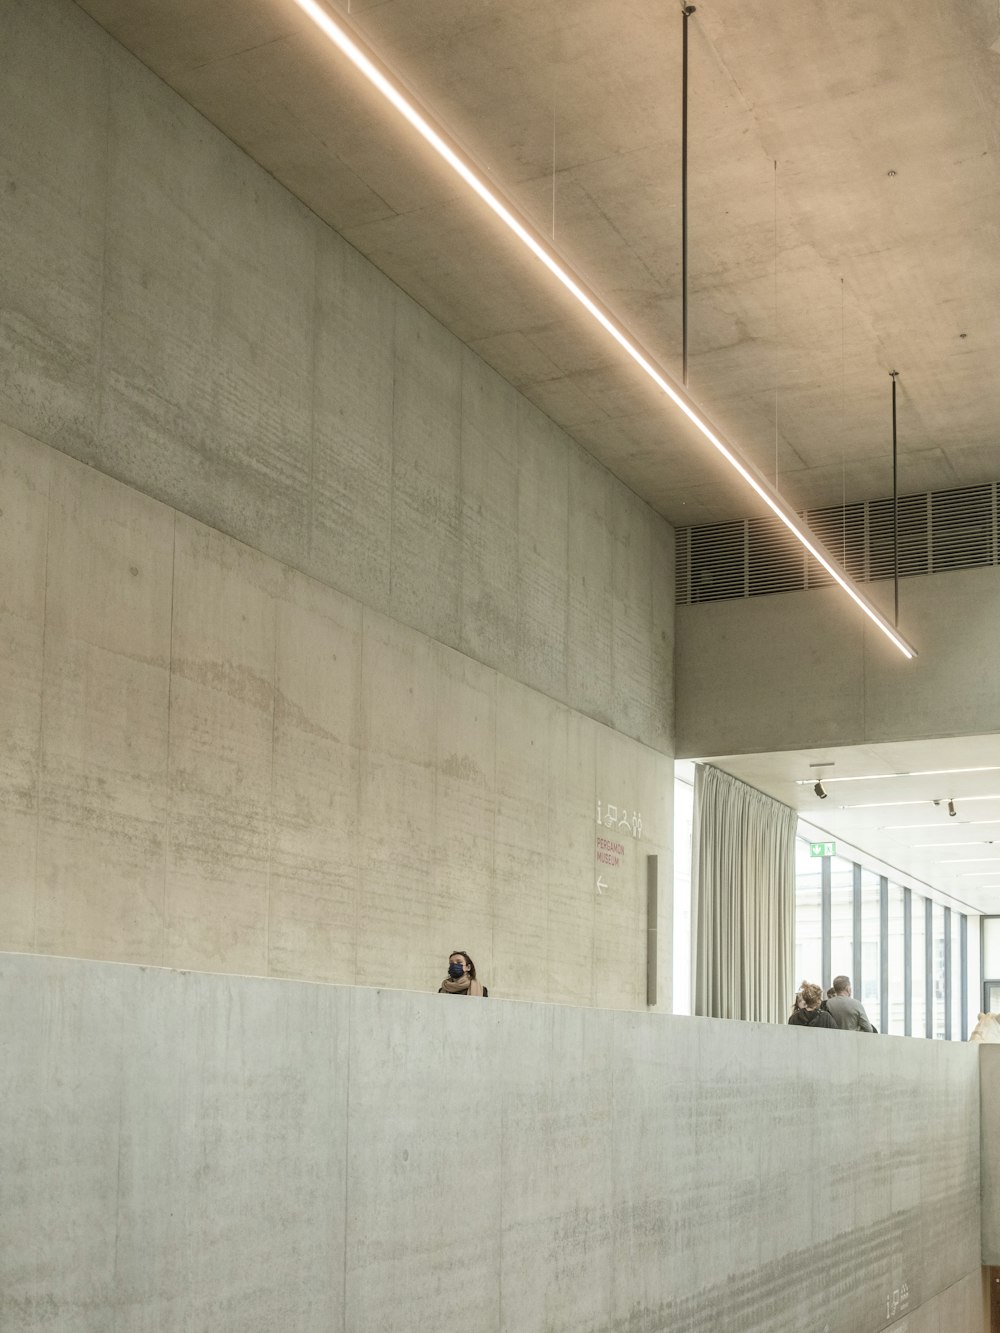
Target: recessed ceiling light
point(940, 800)
point(890, 173)
point(914, 773)
point(983, 842)
point(962, 823)
point(364, 59)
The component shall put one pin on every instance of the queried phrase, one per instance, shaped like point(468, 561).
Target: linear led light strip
point(364, 59)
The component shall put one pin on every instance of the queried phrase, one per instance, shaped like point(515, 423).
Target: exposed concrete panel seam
point(169, 822)
point(40, 751)
point(314, 364)
point(392, 460)
point(363, 775)
point(271, 822)
point(99, 368)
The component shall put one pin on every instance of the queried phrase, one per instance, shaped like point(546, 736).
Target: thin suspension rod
point(686, 11)
point(895, 505)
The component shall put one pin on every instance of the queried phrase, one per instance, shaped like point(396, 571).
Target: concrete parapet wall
point(211, 760)
point(184, 1151)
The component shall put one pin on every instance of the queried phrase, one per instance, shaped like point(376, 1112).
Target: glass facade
point(867, 975)
point(956, 978)
point(937, 970)
point(896, 960)
point(918, 966)
point(808, 914)
point(841, 919)
point(912, 962)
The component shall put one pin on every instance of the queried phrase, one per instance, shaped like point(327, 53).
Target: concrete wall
point(189, 1151)
point(842, 682)
point(174, 317)
point(989, 1095)
point(378, 730)
point(210, 760)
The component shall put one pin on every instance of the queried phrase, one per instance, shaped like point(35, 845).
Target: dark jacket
point(819, 1018)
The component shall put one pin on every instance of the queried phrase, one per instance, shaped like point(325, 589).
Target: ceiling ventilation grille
point(750, 557)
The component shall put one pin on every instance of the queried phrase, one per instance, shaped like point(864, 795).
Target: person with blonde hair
point(807, 1012)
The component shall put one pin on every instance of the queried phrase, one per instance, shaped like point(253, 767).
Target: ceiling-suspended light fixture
point(364, 59)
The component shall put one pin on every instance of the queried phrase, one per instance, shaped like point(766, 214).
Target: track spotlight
point(820, 791)
point(951, 808)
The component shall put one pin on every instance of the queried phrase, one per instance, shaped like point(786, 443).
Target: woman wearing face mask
point(461, 978)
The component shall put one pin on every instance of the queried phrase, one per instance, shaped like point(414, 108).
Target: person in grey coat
point(848, 1013)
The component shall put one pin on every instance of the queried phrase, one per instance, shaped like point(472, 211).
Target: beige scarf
point(461, 986)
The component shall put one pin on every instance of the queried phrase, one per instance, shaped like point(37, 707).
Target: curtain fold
point(743, 882)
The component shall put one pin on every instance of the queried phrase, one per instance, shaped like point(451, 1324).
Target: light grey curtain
point(743, 882)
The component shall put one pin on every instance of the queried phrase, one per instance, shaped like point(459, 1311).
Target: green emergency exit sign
point(822, 849)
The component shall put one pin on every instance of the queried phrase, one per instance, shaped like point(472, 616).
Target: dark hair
point(460, 953)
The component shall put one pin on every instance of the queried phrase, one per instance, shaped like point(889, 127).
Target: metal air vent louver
point(914, 537)
point(775, 560)
point(717, 562)
point(962, 528)
point(938, 531)
point(843, 533)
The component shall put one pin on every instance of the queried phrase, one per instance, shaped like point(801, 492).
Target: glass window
point(991, 947)
point(841, 918)
point(975, 996)
point(897, 962)
point(937, 962)
point(867, 987)
point(918, 957)
point(808, 915)
point(956, 977)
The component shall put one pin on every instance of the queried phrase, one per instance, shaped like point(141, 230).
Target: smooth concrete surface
point(172, 316)
point(190, 1151)
point(989, 1110)
point(842, 682)
point(213, 761)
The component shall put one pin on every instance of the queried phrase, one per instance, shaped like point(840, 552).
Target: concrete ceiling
point(877, 805)
point(813, 270)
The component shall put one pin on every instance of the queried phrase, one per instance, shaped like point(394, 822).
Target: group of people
point(838, 1010)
